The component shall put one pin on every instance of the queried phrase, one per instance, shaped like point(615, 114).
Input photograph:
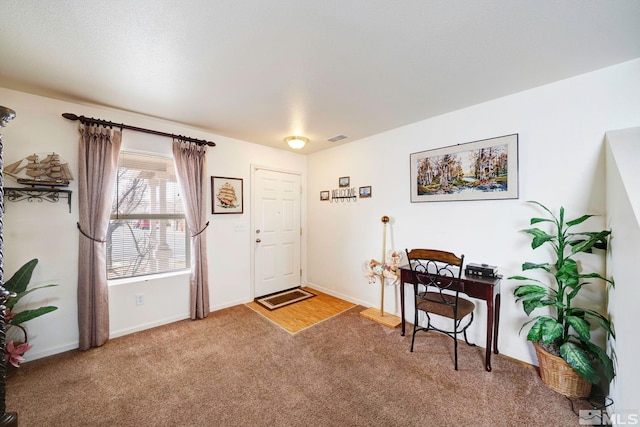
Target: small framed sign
point(365, 191)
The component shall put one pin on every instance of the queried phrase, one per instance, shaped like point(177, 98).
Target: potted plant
point(562, 338)
point(17, 285)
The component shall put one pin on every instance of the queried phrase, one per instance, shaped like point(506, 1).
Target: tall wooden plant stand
point(386, 319)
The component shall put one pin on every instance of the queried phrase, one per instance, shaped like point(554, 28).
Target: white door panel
point(277, 231)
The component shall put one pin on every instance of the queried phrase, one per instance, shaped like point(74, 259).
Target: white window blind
point(146, 232)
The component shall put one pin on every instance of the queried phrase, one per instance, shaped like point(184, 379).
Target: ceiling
point(260, 70)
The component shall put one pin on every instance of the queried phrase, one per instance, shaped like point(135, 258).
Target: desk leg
point(495, 326)
point(490, 315)
point(402, 308)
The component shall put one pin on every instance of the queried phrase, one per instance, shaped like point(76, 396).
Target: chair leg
point(466, 340)
point(455, 345)
point(415, 325)
point(465, 332)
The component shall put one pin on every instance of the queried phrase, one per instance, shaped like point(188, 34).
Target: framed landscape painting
point(479, 170)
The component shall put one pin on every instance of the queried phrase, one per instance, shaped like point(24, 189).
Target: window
point(146, 232)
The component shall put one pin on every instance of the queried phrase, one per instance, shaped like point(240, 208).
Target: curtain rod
point(87, 121)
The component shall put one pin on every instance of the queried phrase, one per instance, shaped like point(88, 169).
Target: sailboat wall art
point(45, 169)
point(226, 195)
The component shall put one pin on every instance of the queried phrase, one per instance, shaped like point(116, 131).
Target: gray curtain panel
point(97, 171)
point(190, 169)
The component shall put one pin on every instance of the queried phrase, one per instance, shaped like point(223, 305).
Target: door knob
point(258, 240)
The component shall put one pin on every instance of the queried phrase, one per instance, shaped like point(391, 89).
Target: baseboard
point(31, 356)
point(231, 304)
point(145, 326)
point(342, 296)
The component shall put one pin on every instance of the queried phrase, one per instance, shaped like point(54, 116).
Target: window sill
point(138, 279)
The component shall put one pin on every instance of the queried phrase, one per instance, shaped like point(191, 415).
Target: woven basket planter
point(559, 376)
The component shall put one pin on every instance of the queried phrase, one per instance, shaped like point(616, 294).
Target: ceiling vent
point(337, 138)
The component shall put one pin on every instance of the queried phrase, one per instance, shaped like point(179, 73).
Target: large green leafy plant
point(17, 285)
point(568, 326)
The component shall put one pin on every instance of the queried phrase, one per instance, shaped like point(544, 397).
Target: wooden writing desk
point(484, 288)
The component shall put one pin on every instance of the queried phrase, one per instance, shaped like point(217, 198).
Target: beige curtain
point(190, 166)
point(98, 168)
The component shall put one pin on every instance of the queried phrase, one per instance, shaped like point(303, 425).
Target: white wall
point(561, 130)
point(47, 231)
point(623, 211)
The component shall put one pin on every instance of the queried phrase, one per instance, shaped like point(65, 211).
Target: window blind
point(146, 232)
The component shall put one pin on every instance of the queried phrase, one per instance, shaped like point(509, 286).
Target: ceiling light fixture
point(296, 142)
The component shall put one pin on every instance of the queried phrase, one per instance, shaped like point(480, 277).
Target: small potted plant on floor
point(17, 286)
point(569, 361)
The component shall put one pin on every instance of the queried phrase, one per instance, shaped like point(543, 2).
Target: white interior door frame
point(254, 222)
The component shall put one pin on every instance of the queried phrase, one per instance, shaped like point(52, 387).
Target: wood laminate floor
point(301, 315)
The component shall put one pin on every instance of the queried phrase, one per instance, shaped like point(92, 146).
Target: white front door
point(276, 237)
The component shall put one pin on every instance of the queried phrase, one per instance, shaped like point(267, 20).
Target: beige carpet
point(235, 368)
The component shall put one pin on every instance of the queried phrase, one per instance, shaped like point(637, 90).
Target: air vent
point(337, 138)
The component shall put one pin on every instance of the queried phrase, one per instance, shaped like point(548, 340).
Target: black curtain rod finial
point(70, 116)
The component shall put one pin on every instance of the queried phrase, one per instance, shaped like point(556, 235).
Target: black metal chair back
point(436, 283)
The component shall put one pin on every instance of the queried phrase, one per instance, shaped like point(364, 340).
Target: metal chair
point(436, 284)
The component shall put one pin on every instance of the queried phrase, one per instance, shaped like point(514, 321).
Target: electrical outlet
point(139, 299)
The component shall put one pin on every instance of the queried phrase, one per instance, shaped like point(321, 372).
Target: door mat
point(285, 298)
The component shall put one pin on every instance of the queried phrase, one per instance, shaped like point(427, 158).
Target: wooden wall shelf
point(16, 194)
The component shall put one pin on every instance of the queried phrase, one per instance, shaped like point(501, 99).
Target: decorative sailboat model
point(41, 169)
point(387, 269)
